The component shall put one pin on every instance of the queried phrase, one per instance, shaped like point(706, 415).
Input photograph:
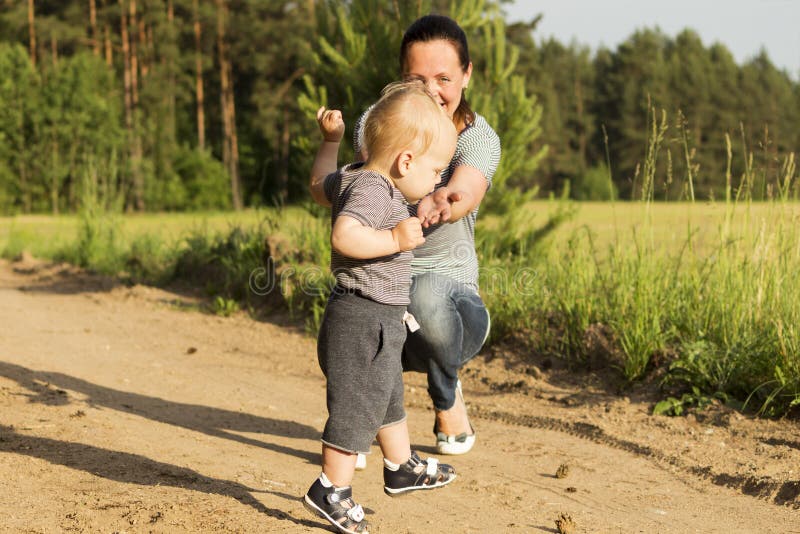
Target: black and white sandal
point(337, 506)
point(417, 474)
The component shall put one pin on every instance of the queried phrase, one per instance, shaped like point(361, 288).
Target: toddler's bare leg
point(339, 466)
point(395, 443)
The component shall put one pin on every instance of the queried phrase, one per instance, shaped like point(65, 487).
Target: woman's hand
point(331, 124)
point(436, 207)
point(332, 127)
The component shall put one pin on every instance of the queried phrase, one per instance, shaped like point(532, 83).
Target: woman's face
point(436, 64)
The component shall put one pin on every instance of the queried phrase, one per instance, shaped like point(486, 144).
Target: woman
point(444, 293)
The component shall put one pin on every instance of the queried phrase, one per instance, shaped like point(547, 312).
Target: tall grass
point(719, 311)
point(702, 291)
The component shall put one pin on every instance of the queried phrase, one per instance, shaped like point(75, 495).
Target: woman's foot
point(454, 433)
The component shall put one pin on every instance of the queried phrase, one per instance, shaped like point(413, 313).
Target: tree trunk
point(312, 13)
point(236, 182)
point(107, 40)
point(230, 147)
point(171, 70)
point(284, 142)
point(93, 25)
point(32, 31)
point(144, 51)
point(136, 141)
point(134, 58)
point(134, 148)
point(126, 71)
point(581, 123)
point(198, 64)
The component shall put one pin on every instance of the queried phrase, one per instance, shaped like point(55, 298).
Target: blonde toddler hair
point(407, 117)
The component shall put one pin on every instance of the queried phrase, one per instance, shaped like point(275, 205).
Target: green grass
point(706, 290)
point(45, 236)
point(702, 292)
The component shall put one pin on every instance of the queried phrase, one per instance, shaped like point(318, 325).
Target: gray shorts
point(359, 349)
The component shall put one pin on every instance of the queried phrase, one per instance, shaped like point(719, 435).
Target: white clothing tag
point(411, 323)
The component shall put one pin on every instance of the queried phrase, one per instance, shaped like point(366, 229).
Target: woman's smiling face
point(436, 64)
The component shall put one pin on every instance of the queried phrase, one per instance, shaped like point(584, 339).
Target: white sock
point(324, 480)
point(389, 465)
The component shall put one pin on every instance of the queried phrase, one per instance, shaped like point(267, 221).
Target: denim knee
point(454, 324)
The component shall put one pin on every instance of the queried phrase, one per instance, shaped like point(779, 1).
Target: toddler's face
point(427, 168)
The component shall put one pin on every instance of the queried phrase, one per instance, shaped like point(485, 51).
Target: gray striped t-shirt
point(449, 248)
point(372, 200)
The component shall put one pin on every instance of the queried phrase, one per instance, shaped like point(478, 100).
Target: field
point(700, 295)
point(668, 223)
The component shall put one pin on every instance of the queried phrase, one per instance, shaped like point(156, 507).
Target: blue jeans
point(454, 324)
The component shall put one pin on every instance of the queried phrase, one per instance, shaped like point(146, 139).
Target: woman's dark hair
point(436, 28)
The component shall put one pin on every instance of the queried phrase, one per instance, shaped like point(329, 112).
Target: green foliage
point(302, 267)
point(499, 93)
point(595, 184)
point(696, 399)
point(353, 57)
point(203, 183)
point(98, 243)
point(548, 101)
point(512, 256)
point(616, 90)
point(56, 126)
point(19, 102)
point(225, 307)
point(222, 264)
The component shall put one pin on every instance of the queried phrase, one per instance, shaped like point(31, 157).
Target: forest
point(171, 105)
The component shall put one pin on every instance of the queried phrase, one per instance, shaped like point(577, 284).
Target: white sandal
point(459, 444)
point(361, 462)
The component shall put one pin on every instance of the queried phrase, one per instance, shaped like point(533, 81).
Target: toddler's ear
point(404, 162)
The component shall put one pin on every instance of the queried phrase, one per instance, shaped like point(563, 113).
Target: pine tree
point(347, 76)
point(631, 85)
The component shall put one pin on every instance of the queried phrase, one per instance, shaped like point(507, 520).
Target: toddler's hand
point(408, 234)
point(331, 124)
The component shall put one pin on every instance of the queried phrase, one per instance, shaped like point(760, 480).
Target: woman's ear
point(467, 76)
point(404, 162)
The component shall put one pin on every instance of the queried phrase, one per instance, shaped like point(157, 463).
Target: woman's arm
point(332, 127)
point(463, 193)
point(474, 165)
point(466, 190)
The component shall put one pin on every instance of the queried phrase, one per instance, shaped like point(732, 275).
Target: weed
point(697, 400)
point(225, 307)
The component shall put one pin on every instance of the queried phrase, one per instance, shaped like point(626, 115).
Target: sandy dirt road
point(122, 412)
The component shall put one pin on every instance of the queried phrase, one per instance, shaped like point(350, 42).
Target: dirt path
point(121, 412)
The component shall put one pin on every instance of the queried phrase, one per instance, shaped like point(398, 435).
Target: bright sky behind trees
point(743, 26)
